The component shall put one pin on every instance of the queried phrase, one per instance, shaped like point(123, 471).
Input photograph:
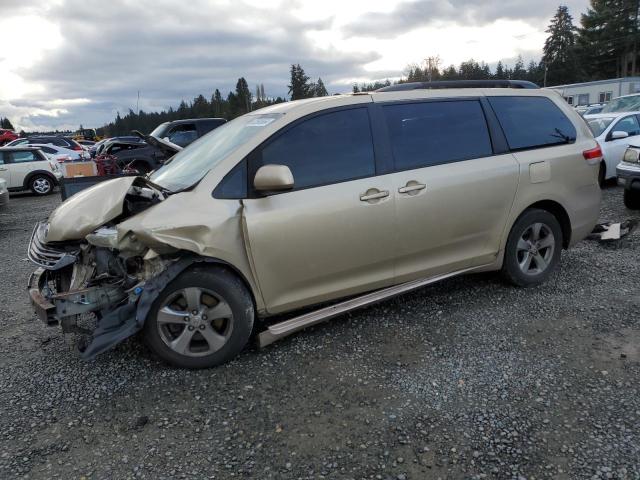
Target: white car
point(4, 193)
point(61, 154)
point(28, 168)
point(614, 132)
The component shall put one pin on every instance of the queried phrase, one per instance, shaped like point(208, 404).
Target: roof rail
point(459, 84)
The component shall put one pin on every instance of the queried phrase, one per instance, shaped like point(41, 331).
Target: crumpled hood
point(89, 209)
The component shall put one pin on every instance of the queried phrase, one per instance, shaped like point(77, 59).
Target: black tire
point(142, 167)
point(213, 282)
point(602, 174)
point(515, 268)
point(41, 184)
point(632, 199)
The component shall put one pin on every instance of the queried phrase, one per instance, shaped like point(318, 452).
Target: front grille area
point(48, 256)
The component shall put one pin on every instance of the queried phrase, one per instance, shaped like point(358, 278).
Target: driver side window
point(628, 124)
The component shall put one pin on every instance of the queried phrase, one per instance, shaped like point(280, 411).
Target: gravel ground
point(466, 379)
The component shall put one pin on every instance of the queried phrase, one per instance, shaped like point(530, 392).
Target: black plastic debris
point(607, 232)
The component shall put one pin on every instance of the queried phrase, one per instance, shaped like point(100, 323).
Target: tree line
point(6, 123)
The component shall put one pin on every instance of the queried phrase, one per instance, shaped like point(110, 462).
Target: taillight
point(77, 147)
point(593, 156)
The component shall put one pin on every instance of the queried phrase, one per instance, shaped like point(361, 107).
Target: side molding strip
point(280, 330)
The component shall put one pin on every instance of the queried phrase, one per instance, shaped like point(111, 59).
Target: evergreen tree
point(319, 90)
point(243, 96)
point(6, 123)
point(519, 72)
point(559, 52)
point(500, 73)
point(608, 39)
point(299, 86)
point(217, 103)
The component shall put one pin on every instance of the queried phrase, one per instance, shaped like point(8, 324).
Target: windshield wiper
point(562, 136)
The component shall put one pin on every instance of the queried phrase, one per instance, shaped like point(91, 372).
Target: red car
point(7, 136)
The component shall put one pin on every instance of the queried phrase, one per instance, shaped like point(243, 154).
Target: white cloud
point(80, 61)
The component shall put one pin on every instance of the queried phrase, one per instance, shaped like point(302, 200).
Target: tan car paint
point(87, 210)
point(317, 244)
point(457, 217)
point(323, 243)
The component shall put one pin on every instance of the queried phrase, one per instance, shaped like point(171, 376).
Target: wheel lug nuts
point(195, 312)
point(201, 327)
point(204, 317)
point(190, 327)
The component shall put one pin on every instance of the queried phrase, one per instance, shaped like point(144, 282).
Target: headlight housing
point(104, 237)
point(631, 155)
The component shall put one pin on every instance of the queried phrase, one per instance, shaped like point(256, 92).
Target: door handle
point(365, 197)
point(412, 188)
point(3, 169)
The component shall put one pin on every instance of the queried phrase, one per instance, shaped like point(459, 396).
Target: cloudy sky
point(67, 62)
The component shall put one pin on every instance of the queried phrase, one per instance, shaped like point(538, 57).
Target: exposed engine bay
point(98, 276)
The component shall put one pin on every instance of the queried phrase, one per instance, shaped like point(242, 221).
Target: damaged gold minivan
point(315, 207)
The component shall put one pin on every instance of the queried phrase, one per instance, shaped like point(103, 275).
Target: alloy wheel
point(195, 322)
point(42, 185)
point(535, 249)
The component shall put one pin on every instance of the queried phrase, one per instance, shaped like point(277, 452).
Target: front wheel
point(41, 185)
point(201, 319)
point(632, 199)
point(533, 248)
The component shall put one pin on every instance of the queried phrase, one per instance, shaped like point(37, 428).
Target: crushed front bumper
point(44, 309)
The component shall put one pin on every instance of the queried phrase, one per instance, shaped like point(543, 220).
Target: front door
point(613, 149)
point(333, 234)
point(5, 171)
point(453, 195)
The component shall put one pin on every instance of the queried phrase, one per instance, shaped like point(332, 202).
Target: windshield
point(158, 132)
point(623, 104)
point(599, 125)
point(191, 164)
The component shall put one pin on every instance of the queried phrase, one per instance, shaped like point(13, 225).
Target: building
point(600, 91)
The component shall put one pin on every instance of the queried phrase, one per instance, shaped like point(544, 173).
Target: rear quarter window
point(532, 122)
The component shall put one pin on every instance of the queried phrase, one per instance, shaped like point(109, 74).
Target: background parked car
point(593, 109)
point(7, 136)
point(42, 140)
point(614, 132)
point(28, 168)
point(629, 176)
point(183, 132)
point(4, 193)
point(61, 154)
point(626, 103)
point(97, 148)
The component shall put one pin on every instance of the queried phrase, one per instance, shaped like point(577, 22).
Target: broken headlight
point(106, 237)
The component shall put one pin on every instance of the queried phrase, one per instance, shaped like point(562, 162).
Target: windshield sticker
point(260, 122)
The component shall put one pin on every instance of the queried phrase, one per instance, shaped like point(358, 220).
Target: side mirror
point(618, 134)
point(273, 178)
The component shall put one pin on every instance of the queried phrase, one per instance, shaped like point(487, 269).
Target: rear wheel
point(632, 199)
point(602, 174)
point(533, 248)
point(41, 185)
point(201, 319)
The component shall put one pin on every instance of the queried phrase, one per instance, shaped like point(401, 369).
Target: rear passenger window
point(329, 148)
point(532, 122)
point(23, 157)
point(432, 133)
